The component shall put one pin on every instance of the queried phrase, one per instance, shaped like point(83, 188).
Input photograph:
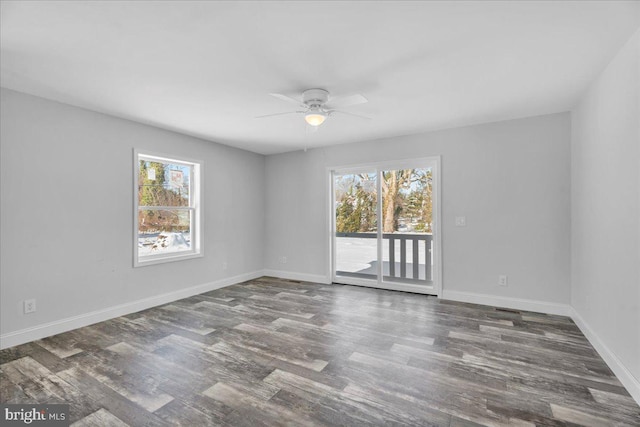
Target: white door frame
point(425, 162)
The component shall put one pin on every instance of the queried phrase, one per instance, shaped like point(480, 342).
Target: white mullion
point(165, 208)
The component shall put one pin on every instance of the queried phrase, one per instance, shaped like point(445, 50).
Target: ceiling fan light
point(315, 118)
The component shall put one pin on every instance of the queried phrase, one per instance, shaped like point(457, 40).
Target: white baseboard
point(627, 379)
point(292, 275)
point(56, 327)
point(507, 302)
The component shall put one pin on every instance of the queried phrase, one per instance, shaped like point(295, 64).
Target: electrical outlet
point(283, 259)
point(224, 265)
point(502, 280)
point(461, 221)
point(29, 306)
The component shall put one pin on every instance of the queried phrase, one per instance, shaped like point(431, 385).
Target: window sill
point(162, 259)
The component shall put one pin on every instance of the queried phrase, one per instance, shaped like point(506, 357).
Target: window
point(167, 209)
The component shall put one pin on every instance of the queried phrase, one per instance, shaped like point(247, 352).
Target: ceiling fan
point(316, 105)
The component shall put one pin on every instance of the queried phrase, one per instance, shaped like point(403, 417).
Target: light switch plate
point(29, 306)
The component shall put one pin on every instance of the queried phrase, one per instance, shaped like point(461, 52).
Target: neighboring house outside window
point(167, 209)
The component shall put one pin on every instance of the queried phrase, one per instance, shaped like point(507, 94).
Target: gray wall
point(510, 179)
point(66, 224)
point(606, 209)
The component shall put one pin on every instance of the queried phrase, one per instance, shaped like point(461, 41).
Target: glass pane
point(356, 225)
point(163, 184)
point(163, 231)
point(407, 225)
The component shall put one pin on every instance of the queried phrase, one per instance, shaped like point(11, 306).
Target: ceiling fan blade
point(346, 101)
point(278, 114)
point(288, 99)
point(350, 114)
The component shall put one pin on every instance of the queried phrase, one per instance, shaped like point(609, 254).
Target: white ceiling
point(206, 68)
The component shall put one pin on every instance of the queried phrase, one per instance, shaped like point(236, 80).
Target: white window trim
point(196, 181)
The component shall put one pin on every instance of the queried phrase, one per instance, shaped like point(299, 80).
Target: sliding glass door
point(384, 229)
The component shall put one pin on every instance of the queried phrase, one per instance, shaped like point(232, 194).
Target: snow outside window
point(167, 209)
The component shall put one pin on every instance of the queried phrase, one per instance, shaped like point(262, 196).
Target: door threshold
point(399, 287)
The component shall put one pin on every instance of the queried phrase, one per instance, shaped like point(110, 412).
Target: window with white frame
point(167, 209)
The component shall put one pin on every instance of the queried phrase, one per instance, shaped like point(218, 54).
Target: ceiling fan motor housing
point(315, 97)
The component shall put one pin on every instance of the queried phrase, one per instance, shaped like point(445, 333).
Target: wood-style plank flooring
point(272, 352)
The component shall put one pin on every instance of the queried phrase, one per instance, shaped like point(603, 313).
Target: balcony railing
point(409, 257)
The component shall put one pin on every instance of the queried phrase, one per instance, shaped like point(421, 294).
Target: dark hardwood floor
point(272, 352)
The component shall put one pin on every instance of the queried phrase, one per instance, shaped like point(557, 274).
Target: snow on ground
point(164, 242)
